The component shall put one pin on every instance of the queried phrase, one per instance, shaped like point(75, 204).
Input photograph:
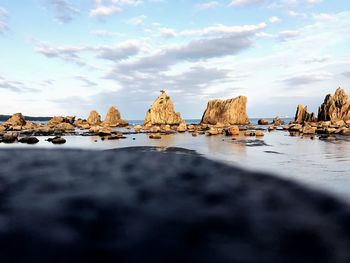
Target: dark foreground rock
point(139, 206)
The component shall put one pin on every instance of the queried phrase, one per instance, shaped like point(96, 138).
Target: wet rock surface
point(133, 205)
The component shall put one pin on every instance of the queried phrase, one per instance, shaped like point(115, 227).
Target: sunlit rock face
point(113, 118)
point(16, 119)
point(335, 108)
point(94, 118)
point(226, 112)
point(302, 115)
point(162, 112)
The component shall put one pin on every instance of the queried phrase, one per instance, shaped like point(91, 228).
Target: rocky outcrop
point(162, 112)
point(60, 119)
point(113, 118)
point(16, 119)
point(302, 115)
point(94, 118)
point(227, 112)
point(335, 108)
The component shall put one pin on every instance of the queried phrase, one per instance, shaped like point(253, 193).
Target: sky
point(65, 57)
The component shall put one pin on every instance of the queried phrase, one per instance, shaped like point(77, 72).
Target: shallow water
point(319, 164)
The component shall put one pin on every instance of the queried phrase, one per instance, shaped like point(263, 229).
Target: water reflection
point(320, 164)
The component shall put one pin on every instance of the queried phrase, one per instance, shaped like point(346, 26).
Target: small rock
point(232, 131)
point(259, 134)
point(249, 133)
point(182, 127)
point(10, 137)
point(29, 140)
point(155, 136)
point(138, 128)
point(309, 130)
point(58, 140)
point(263, 122)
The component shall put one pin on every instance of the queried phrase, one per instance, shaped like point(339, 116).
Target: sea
point(318, 164)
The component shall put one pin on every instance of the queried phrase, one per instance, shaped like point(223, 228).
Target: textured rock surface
point(60, 119)
point(226, 112)
point(162, 112)
point(94, 118)
point(302, 115)
point(135, 206)
point(335, 108)
point(16, 119)
point(113, 118)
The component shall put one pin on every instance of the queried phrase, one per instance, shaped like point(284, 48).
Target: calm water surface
point(319, 164)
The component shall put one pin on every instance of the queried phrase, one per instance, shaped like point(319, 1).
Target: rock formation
point(16, 119)
point(335, 108)
point(302, 115)
point(60, 119)
point(94, 118)
point(227, 112)
point(113, 118)
point(162, 112)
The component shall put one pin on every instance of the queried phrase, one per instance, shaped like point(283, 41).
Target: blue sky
point(69, 57)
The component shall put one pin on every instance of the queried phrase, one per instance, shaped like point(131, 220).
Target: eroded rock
point(226, 112)
point(335, 108)
point(162, 112)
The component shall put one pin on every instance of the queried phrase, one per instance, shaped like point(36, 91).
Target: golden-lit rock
point(226, 112)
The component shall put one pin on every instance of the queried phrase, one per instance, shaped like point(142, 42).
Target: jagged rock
point(335, 108)
point(29, 140)
point(65, 126)
point(113, 118)
point(95, 129)
point(263, 122)
point(162, 112)
point(295, 127)
point(277, 121)
point(30, 126)
point(182, 127)
point(227, 112)
point(94, 118)
point(302, 115)
point(232, 131)
point(16, 119)
point(60, 119)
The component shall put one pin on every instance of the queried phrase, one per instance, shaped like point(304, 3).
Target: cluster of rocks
point(17, 126)
point(333, 118)
point(227, 117)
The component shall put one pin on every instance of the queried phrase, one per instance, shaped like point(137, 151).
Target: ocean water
point(316, 163)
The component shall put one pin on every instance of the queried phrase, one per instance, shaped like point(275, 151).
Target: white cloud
point(223, 29)
point(3, 15)
point(167, 32)
point(64, 10)
point(274, 20)
point(102, 11)
point(137, 21)
point(245, 2)
point(207, 5)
